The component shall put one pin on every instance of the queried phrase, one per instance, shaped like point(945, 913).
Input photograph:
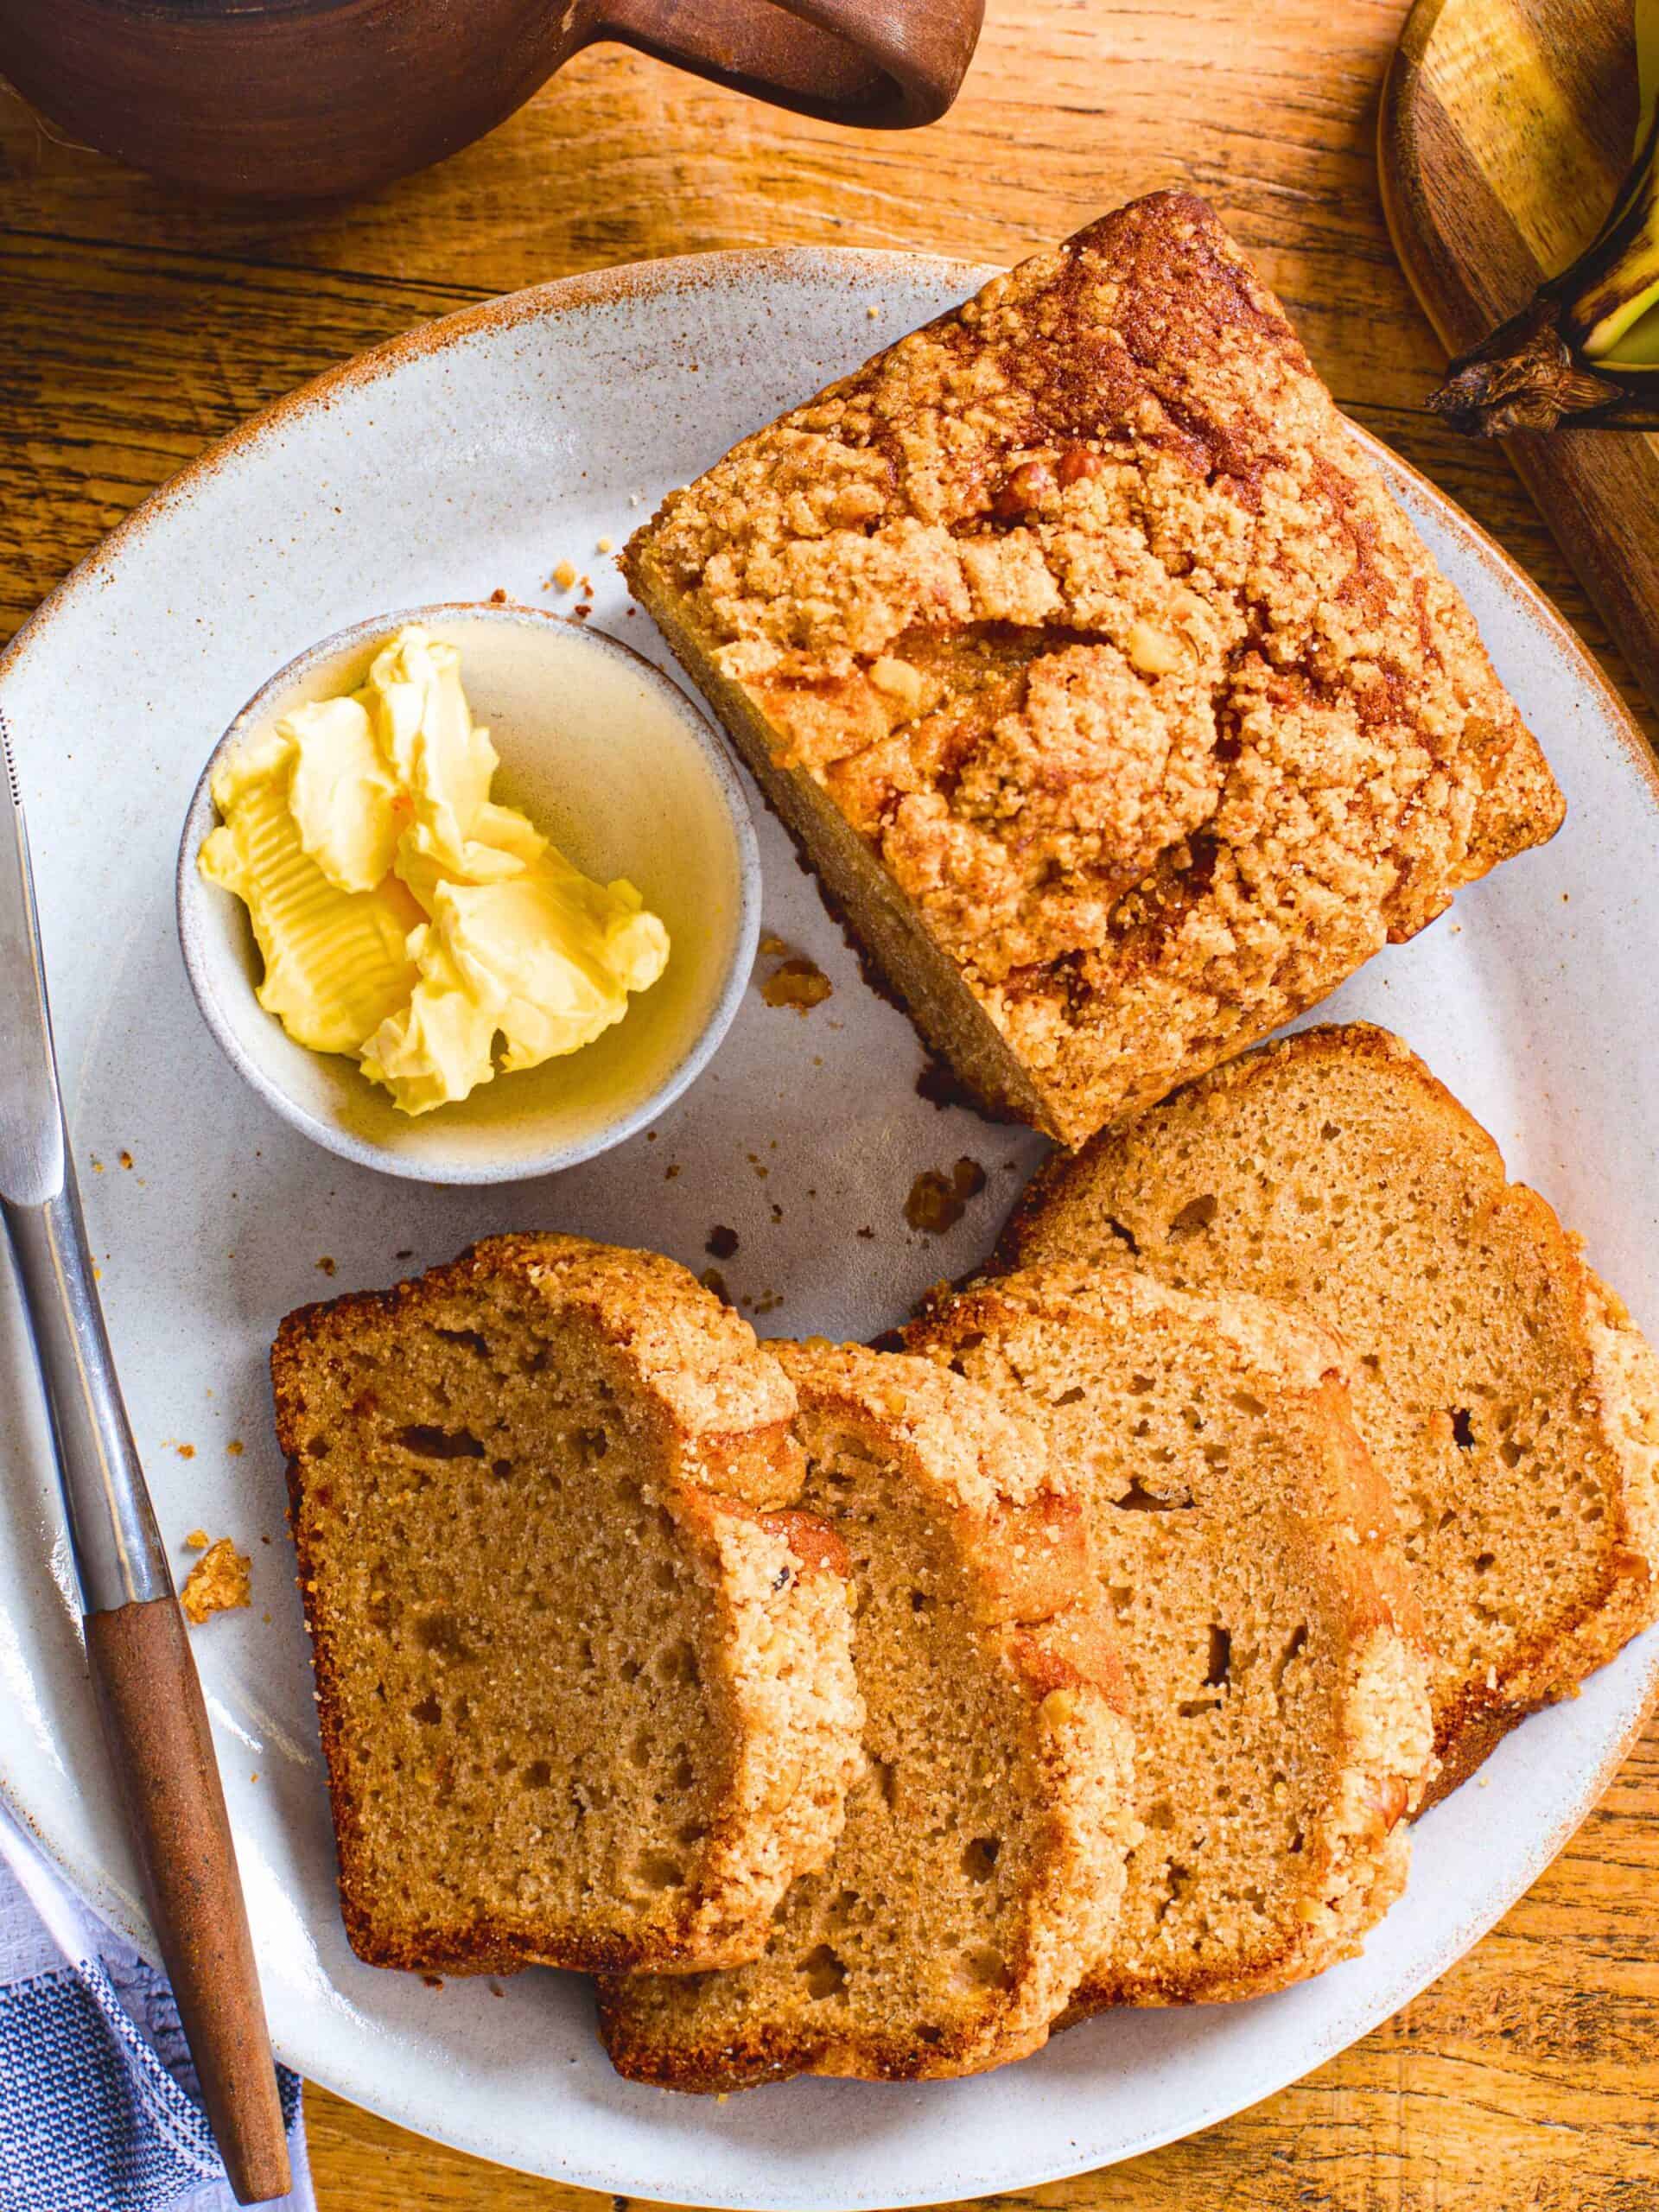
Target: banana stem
point(1527, 377)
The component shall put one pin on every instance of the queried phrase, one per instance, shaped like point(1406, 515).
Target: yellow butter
point(336, 962)
point(403, 914)
point(343, 796)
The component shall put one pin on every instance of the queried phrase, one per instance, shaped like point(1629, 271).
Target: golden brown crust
point(1595, 1366)
point(716, 1409)
point(1082, 612)
point(981, 1477)
point(1328, 1517)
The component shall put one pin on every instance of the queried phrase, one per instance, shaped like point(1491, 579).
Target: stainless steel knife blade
point(31, 1117)
point(137, 1652)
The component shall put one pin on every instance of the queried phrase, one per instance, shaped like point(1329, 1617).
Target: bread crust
point(1020, 1535)
point(719, 1411)
point(1119, 706)
point(1352, 1859)
point(1615, 1384)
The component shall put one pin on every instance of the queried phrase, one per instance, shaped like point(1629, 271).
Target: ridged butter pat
point(404, 916)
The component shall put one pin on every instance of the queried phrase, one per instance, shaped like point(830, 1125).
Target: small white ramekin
point(614, 762)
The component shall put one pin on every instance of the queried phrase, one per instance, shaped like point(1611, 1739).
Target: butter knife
point(143, 1677)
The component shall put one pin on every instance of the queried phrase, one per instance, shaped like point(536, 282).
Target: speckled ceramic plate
point(478, 455)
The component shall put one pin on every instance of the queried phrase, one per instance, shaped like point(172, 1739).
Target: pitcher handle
point(884, 64)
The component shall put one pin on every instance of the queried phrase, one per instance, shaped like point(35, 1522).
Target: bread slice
point(1076, 637)
point(584, 1679)
point(1246, 1547)
point(1505, 1394)
point(983, 1860)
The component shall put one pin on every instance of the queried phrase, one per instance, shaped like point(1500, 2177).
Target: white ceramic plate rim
point(188, 896)
point(869, 267)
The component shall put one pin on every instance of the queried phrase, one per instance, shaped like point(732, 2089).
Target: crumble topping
point(1086, 610)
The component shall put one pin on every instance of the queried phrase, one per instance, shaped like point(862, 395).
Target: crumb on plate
point(218, 1583)
point(797, 983)
point(938, 1202)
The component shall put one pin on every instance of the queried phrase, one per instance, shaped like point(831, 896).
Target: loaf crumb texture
point(1507, 1399)
point(584, 1672)
point(983, 1861)
point(1247, 1554)
point(1081, 643)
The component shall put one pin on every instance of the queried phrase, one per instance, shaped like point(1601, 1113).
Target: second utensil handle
point(156, 1727)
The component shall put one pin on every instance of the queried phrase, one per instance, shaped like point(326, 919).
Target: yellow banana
point(1586, 345)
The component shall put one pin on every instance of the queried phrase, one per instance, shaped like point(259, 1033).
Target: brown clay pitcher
point(287, 99)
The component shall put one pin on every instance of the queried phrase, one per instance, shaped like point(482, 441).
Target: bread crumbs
point(797, 983)
point(218, 1583)
point(938, 1202)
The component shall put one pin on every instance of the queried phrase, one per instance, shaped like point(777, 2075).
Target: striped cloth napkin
point(98, 2110)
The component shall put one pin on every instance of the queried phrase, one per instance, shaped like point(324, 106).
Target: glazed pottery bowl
point(609, 758)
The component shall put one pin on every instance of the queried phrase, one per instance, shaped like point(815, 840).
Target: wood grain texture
point(1527, 2080)
point(1505, 129)
point(139, 324)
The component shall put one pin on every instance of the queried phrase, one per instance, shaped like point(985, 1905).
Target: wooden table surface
point(136, 325)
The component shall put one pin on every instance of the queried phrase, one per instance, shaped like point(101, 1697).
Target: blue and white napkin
point(98, 2103)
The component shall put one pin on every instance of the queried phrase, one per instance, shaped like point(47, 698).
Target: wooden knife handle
point(156, 1726)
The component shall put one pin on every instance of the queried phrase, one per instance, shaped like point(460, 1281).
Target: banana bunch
point(1586, 344)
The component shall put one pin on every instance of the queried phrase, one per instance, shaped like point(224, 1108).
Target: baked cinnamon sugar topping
point(1086, 610)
